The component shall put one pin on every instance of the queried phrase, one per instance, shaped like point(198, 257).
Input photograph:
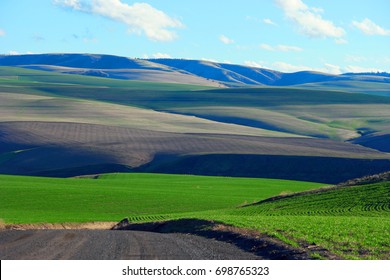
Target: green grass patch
point(352, 222)
point(113, 197)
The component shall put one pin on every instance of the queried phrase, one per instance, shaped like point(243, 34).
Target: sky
point(333, 36)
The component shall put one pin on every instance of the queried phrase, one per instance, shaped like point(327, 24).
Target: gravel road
point(113, 245)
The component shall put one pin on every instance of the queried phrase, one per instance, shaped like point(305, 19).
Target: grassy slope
point(34, 108)
point(28, 77)
point(352, 222)
point(38, 96)
point(320, 113)
point(113, 197)
point(376, 88)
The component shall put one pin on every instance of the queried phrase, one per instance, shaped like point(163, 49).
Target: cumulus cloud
point(19, 53)
point(253, 64)
point(75, 4)
point(360, 69)
point(291, 68)
point(226, 40)
point(309, 20)
point(279, 66)
point(140, 18)
point(369, 27)
point(269, 21)
point(331, 69)
point(325, 68)
point(267, 47)
point(161, 55)
point(2, 32)
point(285, 48)
point(281, 48)
point(209, 60)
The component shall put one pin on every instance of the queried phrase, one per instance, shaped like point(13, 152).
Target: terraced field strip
point(366, 200)
point(349, 237)
point(353, 222)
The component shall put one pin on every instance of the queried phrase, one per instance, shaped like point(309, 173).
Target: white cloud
point(289, 68)
point(226, 40)
point(161, 55)
point(74, 4)
point(209, 60)
point(281, 48)
point(140, 18)
point(331, 69)
point(360, 69)
point(2, 32)
point(19, 53)
point(368, 27)
point(269, 21)
point(284, 48)
point(309, 20)
point(253, 64)
point(267, 47)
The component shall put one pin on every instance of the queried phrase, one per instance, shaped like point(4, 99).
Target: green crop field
point(352, 222)
point(113, 197)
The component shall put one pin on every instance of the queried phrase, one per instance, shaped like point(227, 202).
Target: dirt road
point(113, 245)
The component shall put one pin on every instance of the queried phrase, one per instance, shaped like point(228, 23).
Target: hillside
point(97, 125)
point(106, 66)
point(183, 71)
point(351, 222)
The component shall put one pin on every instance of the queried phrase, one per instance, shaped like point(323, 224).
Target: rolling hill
point(97, 117)
point(351, 222)
point(98, 124)
point(184, 71)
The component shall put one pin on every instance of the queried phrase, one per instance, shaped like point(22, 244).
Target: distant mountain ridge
point(177, 70)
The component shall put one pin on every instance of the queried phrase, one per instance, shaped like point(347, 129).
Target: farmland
point(101, 125)
point(246, 145)
point(349, 222)
point(112, 197)
point(352, 222)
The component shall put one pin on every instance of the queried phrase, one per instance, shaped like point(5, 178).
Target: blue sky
point(332, 36)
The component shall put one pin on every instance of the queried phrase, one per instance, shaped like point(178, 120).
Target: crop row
point(367, 200)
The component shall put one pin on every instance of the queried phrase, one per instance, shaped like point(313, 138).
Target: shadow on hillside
point(328, 170)
point(250, 241)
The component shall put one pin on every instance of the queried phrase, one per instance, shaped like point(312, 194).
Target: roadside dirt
point(252, 241)
point(46, 226)
point(178, 239)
